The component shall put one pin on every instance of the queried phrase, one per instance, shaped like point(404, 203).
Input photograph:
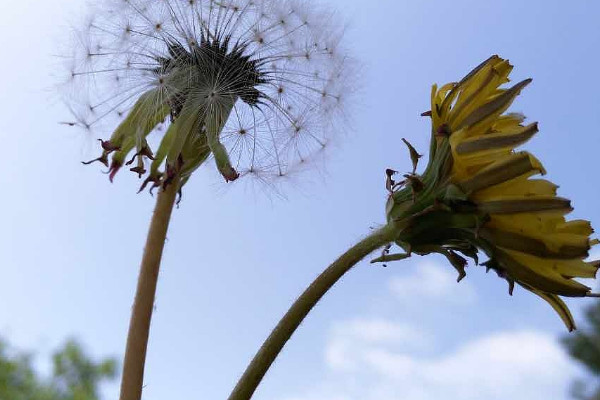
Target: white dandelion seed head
point(270, 77)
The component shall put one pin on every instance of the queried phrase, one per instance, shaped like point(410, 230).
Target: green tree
point(584, 346)
point(74, 375)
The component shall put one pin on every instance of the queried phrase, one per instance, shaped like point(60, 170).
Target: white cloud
point(505, 365)
point(432, 281)
point(349, 336)
point(376, 331)
point(527, 365)
point(381, 359)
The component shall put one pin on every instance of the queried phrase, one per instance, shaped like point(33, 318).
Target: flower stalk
point(141, 316)
point(284, 330)
point(258, 86)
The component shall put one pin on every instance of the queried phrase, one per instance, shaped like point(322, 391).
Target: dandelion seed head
point(269, 75)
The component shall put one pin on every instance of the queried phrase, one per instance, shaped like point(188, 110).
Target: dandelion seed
point(203, 69)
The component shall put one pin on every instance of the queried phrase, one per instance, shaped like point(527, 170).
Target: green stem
point(304, 304)
point(139, 325)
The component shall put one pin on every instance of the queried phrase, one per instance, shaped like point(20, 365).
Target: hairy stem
point(304, 304)
point(139, 325)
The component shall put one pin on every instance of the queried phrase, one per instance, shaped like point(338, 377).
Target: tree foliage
point(584, 346)
point(74, 376)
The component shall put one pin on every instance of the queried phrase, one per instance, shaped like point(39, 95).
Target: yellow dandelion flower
point(477, 194)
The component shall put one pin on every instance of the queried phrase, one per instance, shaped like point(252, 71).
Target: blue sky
point(237, 257)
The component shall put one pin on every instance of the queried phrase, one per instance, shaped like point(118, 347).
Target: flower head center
point(213, 66)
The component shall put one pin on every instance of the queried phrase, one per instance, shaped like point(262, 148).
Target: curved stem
point(141, 315)
point(304, 304)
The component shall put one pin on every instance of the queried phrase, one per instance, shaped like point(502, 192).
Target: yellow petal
point(470, 83)
point(444, 91)
point(476, 162)
point(544, 245)
point(519, 205)
point(511, 167)
point(507, 121)
point(539, 274)
point(503, 70)
point(529, 224)
point(483, 88)
point(486, 114)
point(556, 242)
point(578, 227)
point(494, 59)
point(517, 187)
point(473, 95)
point(495, 141)
point(575, 268)
point(435, 108)
point(559, 306)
